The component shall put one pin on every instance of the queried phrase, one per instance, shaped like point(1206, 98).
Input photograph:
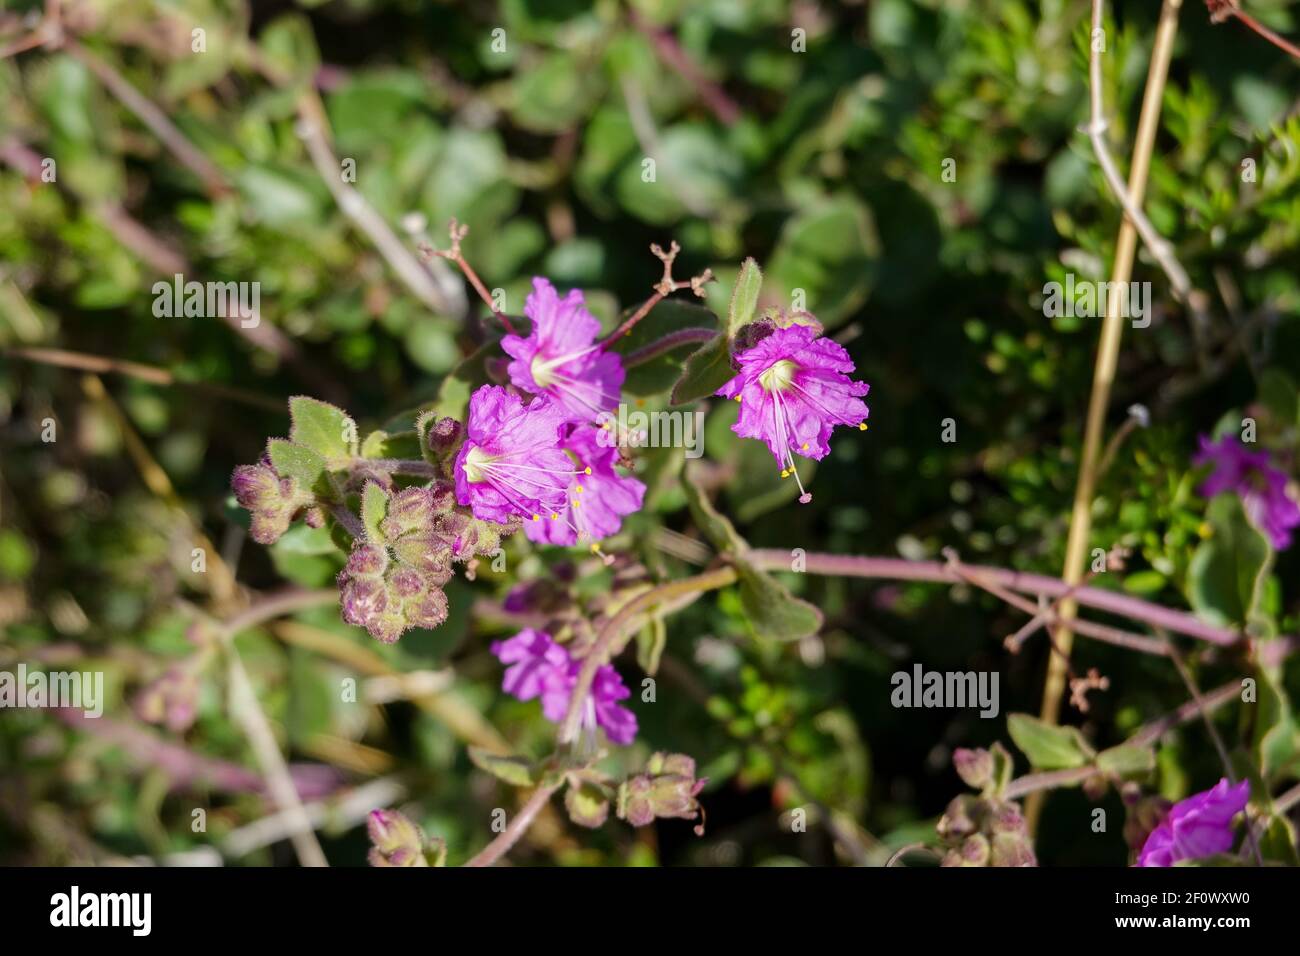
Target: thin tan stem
point(1107, 359)
point(62, 358)
point(248, 714)
point(1131, 203)
point(213, 179)
point(432, 284)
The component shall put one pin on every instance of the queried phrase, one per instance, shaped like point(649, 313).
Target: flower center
point(541, 369)
point(778, 376)
point(476, 463)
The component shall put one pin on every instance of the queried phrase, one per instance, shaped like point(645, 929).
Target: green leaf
point(744, 299)
point(721, 533)
point(325, 429)
point(709, 367)
point(517, 771)
point(374, 505)
point(299, 463)
point(661, 373)
point(772, 611)
point(1127, 760)
point(1276, 737)
point(1047, 746)
point(650, 642)
point(382, 444)
point(1225, 580)
point(1278, 841)
point(705, 371)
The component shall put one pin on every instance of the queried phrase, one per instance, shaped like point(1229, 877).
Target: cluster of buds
point(399, 842)
point(394, 580)
point(272, 500)
point(987, 829)
point(667, 790)
point(983, 831)
point(387, 598)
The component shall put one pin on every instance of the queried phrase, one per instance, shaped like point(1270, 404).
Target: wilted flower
point(666, 790)
point(793, 390)
point(511, 463)
point(539, 667)
point(1261, 486)
point(598, 496)
point(560, 357)
point(1199, 826)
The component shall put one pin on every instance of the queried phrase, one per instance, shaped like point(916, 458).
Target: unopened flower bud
point(961, 818)
point(366, 560)
point(272, 501)
point(975, 767)
point(409, 510)
point(397, 841)
point(444, 435)
point(974, 850)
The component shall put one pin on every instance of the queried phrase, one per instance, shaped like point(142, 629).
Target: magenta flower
point(1199, 826)
point(511, 462)
point(539, 667)
point(793, 390)
point(561, 358)
point(597, 496)
point(1253, 478)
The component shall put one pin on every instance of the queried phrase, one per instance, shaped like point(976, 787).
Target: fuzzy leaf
point(705, 371)
point(1225, 580)
point(744, 300)
point(1127, 760)
point(299, 463)
point(325, 429)
point(517, 771)
point(1047, 746)
point(374, 505)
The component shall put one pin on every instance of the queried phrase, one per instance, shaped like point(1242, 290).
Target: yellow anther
point(586, 471)
point(862, 426)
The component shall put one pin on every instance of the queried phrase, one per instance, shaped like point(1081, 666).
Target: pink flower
point(560, 357)
point(539, 667)
point(1252, 477)
point(1199, 826)
point(511, 462)
point(532, 656)
point(597, 496)
point(793, 390)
